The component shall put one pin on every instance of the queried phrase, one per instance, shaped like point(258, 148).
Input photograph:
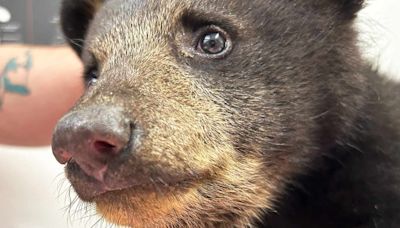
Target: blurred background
point(33, 190)
point(30, 21)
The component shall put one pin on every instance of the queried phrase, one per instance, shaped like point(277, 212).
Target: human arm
point(38, 85)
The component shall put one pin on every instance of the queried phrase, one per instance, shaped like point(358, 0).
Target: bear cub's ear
point(76, 16)
point(350, 7)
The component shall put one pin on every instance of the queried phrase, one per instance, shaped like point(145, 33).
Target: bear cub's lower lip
point(88, 187)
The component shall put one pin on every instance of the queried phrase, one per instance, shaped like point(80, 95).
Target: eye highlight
point(213, 42)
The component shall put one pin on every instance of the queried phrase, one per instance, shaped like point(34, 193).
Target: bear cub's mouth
point(89, 187)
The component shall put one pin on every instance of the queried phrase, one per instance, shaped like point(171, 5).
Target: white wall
point(28, 177)
point(34, 192)
point(380, 39)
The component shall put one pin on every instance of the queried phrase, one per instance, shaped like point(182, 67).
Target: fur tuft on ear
point(76, 16)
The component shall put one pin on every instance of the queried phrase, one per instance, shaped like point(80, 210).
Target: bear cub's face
point(197, 113)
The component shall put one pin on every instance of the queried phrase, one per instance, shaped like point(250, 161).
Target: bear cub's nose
point(91, 137)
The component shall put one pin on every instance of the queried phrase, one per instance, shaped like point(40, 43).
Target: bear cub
point(229, 113)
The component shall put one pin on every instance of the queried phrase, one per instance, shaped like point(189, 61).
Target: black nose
point(92, 138)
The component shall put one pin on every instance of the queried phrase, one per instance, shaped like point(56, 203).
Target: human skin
point(38, 84)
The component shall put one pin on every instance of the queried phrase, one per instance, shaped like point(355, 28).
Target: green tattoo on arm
point(6, 83)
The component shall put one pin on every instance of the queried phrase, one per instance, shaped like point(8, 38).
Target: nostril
point(105, 148)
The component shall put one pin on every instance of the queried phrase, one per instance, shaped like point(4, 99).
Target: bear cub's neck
point(360, 185)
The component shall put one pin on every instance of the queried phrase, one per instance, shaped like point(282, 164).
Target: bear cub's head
point(199, 113)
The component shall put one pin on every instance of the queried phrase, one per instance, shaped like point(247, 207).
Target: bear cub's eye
point(213, 42)
point(91, 77)
point(91, 73)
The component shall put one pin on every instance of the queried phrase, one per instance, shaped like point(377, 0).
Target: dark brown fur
point(290, 129)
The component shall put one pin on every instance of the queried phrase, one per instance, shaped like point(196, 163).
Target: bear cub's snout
point(91, 138)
